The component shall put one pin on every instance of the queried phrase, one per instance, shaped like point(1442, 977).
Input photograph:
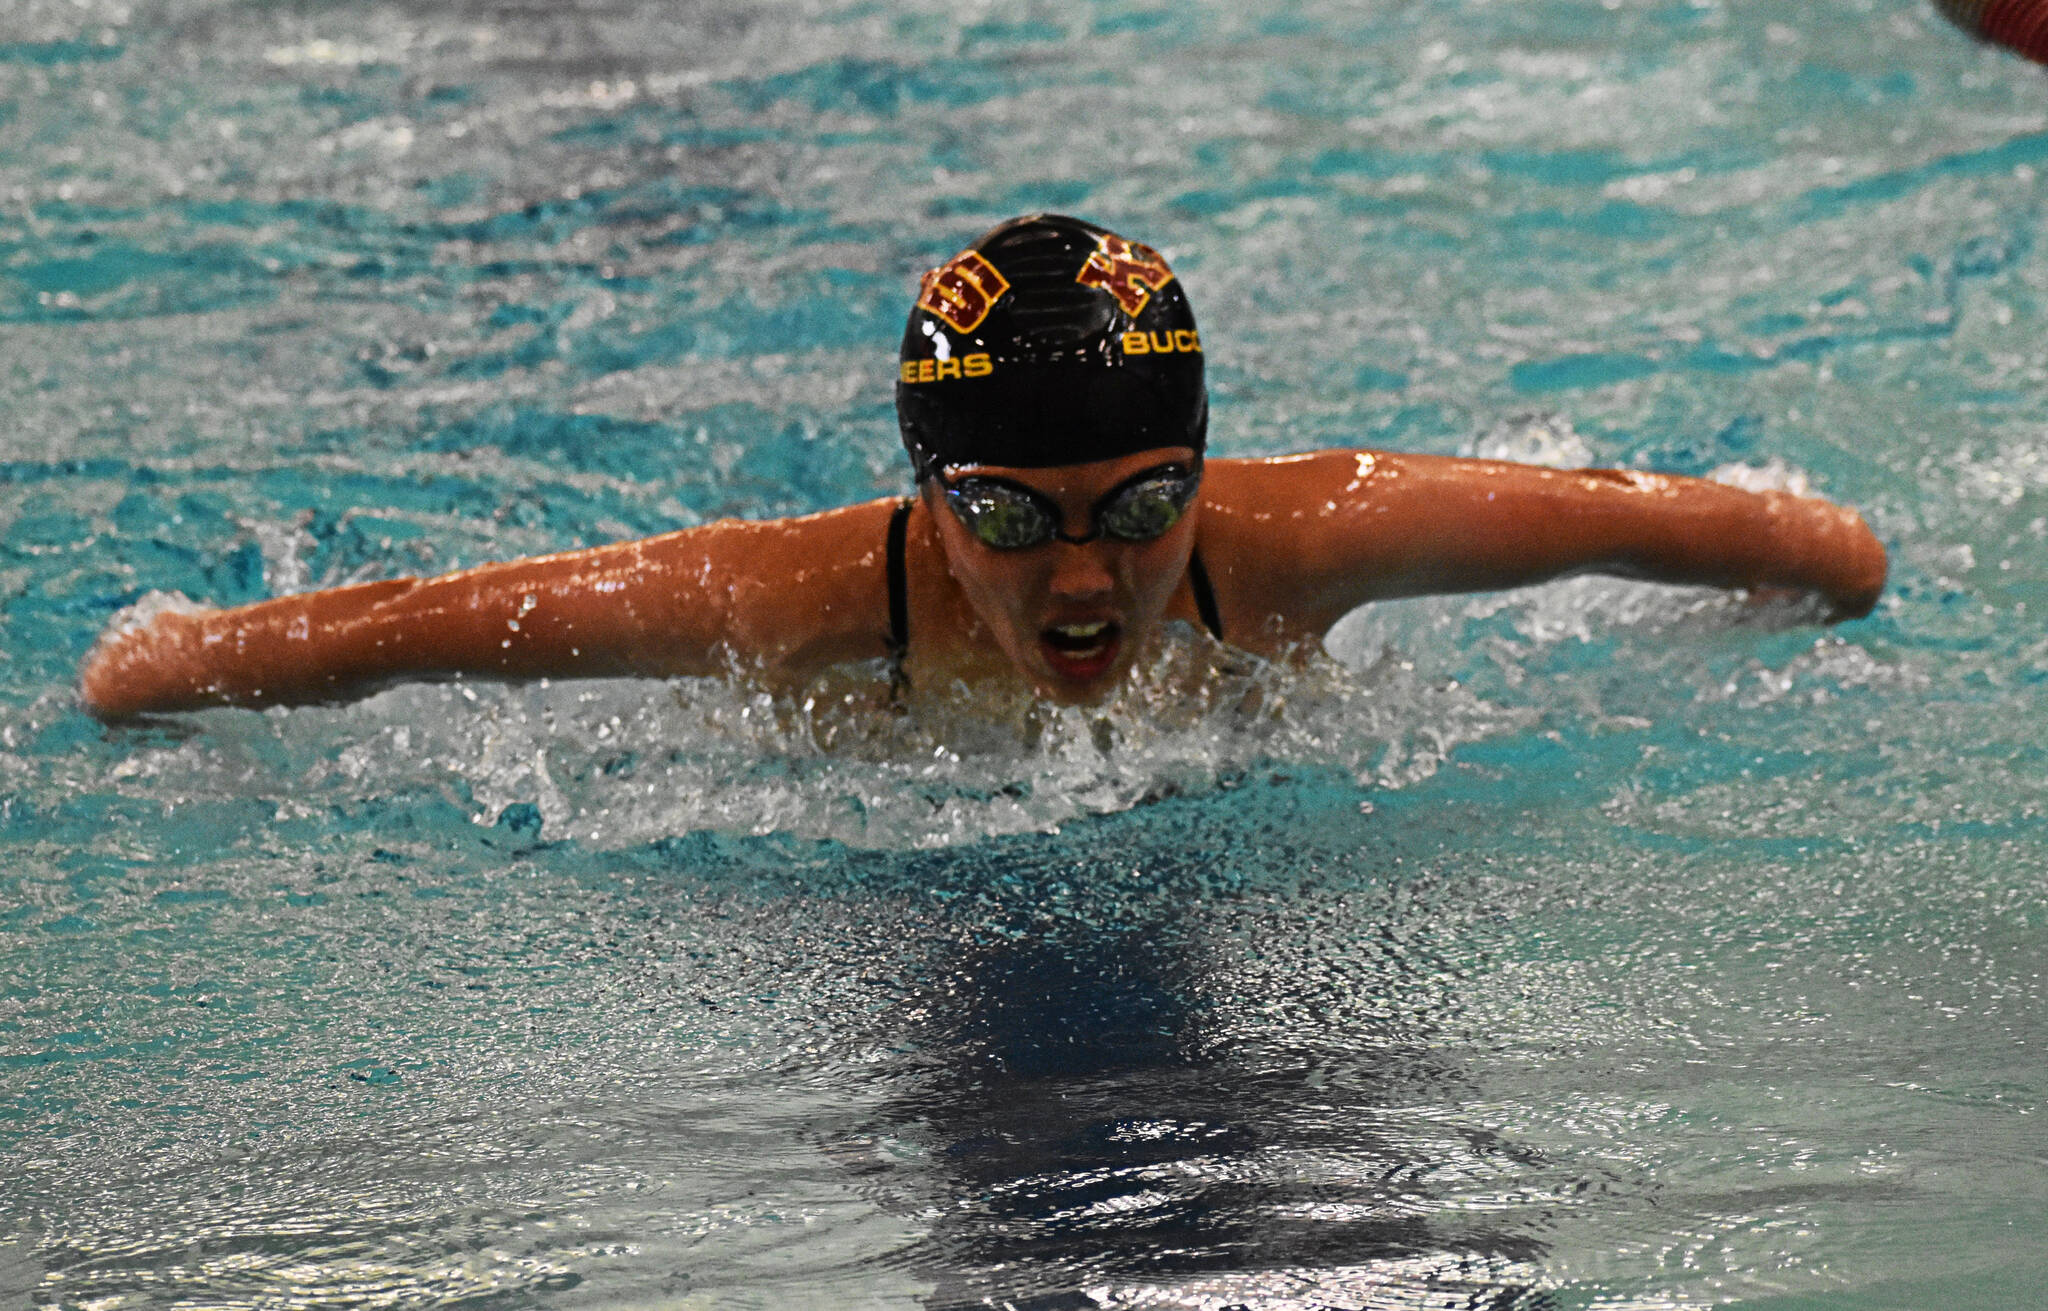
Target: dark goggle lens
point(1000, 516)
point(1148, 510)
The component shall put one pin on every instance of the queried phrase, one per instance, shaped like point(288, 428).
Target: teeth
point(1081, 630)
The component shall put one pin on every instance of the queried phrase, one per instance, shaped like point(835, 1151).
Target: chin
point(1065, 694)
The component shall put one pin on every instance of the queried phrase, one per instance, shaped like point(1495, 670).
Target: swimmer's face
point(1071, 617)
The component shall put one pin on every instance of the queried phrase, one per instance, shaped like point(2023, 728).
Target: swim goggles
point(1009, 516)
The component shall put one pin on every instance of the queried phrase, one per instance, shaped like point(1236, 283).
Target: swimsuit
point(899, 593)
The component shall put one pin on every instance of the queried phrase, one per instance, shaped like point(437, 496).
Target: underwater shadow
point(1085, 1131)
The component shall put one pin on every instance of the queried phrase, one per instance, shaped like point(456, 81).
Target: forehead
point(1095, 476)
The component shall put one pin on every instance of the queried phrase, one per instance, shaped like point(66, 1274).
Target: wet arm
point(1366, 526)
point(769, 597)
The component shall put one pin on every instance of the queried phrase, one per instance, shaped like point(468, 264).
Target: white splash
point(1545, 439)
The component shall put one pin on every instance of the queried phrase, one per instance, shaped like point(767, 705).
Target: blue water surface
point(1597, 945)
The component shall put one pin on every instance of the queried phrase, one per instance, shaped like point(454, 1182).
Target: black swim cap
point(1049, 341)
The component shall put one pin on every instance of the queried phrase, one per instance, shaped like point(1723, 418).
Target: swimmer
point(1050, 394)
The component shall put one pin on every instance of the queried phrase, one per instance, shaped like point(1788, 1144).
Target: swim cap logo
point(961, 292)
point(1126, 270)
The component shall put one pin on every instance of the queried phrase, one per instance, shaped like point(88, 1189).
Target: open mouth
point(1080, 651)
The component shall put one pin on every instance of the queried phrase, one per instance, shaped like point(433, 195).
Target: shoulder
point(775, 552)
point(797, 594)
point(1225, 478)
point(1298, 489)
point(1271, 504)
point(1262, 528)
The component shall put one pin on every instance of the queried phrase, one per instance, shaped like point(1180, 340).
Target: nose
point(1080, 573)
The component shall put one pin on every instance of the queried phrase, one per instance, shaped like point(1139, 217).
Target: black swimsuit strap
point(899, 585)
point(1205, 596)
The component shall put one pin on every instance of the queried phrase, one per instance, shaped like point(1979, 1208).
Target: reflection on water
point(1084, 1135)
point(1146, 1062)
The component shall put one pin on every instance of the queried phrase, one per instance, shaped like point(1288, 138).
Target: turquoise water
point(1599, 945)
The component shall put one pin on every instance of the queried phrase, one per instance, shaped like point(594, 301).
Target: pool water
point(1597, 945)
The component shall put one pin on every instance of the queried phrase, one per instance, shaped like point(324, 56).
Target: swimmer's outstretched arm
point(771, 598)
point(1319, 535)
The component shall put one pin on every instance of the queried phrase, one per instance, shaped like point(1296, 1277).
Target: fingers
point(134, 669)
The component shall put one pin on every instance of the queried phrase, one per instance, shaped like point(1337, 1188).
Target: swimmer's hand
point(166, 654)
point(134, 666)
point(1779, 546)
point(1833, 547)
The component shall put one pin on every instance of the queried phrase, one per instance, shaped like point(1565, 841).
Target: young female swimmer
point(1051, 398)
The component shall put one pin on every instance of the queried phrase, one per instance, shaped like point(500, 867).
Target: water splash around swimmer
point(615, 764)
